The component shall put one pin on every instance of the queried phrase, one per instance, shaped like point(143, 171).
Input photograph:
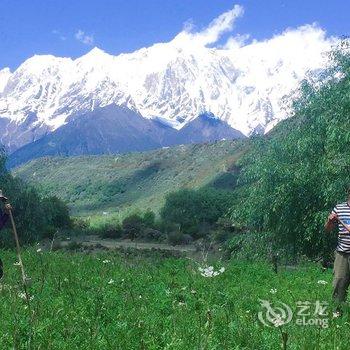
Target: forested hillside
point(136, 181)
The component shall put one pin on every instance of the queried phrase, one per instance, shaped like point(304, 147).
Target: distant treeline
point(186, 216)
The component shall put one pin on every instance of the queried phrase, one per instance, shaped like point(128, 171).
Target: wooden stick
point(24, 278)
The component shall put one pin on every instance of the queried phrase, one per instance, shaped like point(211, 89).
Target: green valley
point(119, 184)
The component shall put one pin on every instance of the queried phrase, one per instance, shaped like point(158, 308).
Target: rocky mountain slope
point(113, 129)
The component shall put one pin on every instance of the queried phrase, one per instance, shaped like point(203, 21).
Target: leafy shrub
point(194, 211)
point(133, 226)
point(152, 234)
point(176, 238)
point(57, 212)
point(110, 230)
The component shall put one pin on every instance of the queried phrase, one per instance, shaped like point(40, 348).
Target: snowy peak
point(245, 86)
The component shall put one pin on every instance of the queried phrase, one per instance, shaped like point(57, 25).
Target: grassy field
point(120, 184)
point(110, 301)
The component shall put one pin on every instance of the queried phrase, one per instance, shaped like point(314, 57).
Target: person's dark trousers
point(3, 219)
point(341, 276)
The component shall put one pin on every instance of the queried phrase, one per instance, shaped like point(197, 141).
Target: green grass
point(120, 184)
point(156, 303)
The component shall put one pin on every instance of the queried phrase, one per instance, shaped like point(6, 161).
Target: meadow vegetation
point(113, 301)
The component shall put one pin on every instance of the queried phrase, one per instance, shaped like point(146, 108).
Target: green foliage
point(110, 230)
point(193, 211)
point(176, 238)
point(292, 178)
point(57, 211)
point(149, 219)
point(35, 217)
point(133, 226)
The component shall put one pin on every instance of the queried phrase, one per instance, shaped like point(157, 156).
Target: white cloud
point(211, 34)
point(86, 39)
point(302, 47)
point(300, 43)
point(236, 41)
point(59, 34)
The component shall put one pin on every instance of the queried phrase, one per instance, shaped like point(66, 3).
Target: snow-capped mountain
point(174, 82)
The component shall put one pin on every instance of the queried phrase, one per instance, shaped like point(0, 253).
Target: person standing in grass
point(340, 216)
point(4, 215)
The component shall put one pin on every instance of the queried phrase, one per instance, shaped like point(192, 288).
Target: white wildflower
point(106, 261)
point(210, 272)
point(336, 314)
point(273, 290)
point(322, 282)
point(23, 296)
point(111, 281)
point(17, 263)
point(39, 250)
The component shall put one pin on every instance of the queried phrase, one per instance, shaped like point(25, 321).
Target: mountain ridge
point(246, 87)
point(117, 130)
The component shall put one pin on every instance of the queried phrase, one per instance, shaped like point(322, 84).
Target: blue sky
point(71, 28)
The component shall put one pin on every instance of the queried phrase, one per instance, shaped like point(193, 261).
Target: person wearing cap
point(4, 215)
point(340, 218)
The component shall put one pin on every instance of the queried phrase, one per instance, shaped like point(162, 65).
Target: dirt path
point(89, 241)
